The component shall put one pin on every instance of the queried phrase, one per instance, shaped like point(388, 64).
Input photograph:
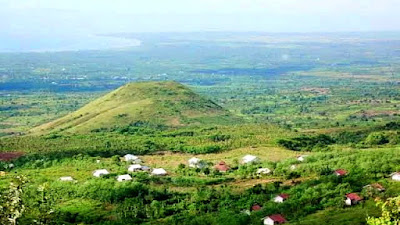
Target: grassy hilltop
point(155, 103)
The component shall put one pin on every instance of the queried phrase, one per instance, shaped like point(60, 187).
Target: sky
point(62, 17)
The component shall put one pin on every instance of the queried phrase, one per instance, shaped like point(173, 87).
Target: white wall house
point(395, 176)
point(352, 199)
point(68, 178)
point(197, 163)
point(131, 158)
point(281, 198)
point(135, 167)
point(99, 173)
point(250, 159)
point(159, 172)
point(124, 177)
point(302, 158)
point(274, 219)
point(263, 171)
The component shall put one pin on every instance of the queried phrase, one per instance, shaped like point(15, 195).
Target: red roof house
point(281, 198)
point(375, 186)
point(352, 199)
point(340, 172)
point(256, 207)
point(274, 219)
point(222, 167)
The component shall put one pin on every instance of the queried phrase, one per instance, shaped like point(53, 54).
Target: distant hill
point(168, 104)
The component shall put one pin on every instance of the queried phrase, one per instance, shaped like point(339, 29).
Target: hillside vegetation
point(165, 104)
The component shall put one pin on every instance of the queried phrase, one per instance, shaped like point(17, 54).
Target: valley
point(331, 99)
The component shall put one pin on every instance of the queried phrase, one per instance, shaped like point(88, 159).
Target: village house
point(281, 198)
point(66, 178)
point(263, 171)
point(222, 167)
point(159, 172)
point(124, 177)
point(197, 163)
point(352, 199)
point(375, 186)
point(395, 176)
point(302, 158)
point(256, 207)
point(131, 158)
point(135, 167)
point(99, 173)
point(247, 159)
point(340, 172)
point(274, 219)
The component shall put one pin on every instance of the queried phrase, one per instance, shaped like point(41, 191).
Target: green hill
point(156, 103)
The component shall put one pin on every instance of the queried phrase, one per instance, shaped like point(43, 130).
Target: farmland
point(332, 97)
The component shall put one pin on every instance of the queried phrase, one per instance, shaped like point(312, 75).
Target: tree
point(390, 212)
point(11, 205)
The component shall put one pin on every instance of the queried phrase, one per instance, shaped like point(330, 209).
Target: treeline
point(144, 139)
point(379, 135)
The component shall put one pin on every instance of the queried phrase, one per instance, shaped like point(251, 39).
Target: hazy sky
point(48, 17)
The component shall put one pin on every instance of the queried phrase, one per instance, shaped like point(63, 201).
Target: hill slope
point(157, 103)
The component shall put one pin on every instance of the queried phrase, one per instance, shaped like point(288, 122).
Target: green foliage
point(390, 212)
point(306, 143)
point(11, 205)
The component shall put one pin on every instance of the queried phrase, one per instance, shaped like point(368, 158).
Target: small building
point(197, 163)
point(146, 168)
point(395, 176)
point(159, 172)
point(263, 171)
point(68, 178)
point(340, 172)
point(375, 186)
point(301, 158)
point(222, 167)
point(131, 158)
point(247, 159)
point(352, 199)
point(274, 219)
point(256, 207)
point(124, 177)
point(99, 173)
point(135, 167)
point(281, 198)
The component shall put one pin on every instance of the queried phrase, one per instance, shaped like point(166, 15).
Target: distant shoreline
point(65, 44)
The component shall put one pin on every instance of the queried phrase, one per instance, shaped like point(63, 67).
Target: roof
point(341, 172)
point(194, 160)
point(395, 173)
point(135, 166)
point(263, 170)
point(101, 171)
point(130, 157)
point(277, 218)
point(284, 196)
point(256, 207)
point(354, 196)
point(159, 171)
point(221, 166)
point(125, 176)
point(249, 158)
point(377, 186)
